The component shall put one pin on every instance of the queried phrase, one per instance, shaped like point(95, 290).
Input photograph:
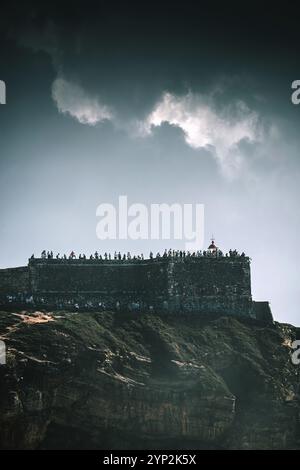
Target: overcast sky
point(162, 104)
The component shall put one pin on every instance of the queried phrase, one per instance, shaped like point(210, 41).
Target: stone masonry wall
point(192, 284)
point(206, 284)
point(14, 280)
point(212, 285)
point(111, 284)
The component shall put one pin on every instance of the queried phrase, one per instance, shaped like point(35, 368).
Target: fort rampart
point(205, 284)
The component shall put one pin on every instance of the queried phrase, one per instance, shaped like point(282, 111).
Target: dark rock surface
point(110, 380)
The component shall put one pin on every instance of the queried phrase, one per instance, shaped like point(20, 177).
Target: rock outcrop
point(112, 380)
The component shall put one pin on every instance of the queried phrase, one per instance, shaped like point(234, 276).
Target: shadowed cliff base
point(108, 380)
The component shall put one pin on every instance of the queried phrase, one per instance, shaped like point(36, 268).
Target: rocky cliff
point(110, 380)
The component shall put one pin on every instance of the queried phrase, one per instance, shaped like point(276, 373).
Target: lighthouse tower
point(213, 249)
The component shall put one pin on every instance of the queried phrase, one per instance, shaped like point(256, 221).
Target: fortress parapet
point(207, 284)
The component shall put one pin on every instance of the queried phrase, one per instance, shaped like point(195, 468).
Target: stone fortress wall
point(220, 285)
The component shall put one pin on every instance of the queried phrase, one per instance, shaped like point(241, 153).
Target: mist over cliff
point(108, 380)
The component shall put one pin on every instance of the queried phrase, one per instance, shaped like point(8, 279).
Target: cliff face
point(109, 380)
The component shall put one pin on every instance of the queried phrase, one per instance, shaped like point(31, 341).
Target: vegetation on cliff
point(110, 380)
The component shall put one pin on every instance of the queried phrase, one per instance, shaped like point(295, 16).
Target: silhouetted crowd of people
point(118, 256)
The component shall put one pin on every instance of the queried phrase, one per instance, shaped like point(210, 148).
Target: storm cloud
point(73, 100)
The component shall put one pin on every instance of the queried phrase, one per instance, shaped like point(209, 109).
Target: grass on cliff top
point(213, 350)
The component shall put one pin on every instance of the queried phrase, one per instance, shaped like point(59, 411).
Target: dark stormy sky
point(163, 103)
